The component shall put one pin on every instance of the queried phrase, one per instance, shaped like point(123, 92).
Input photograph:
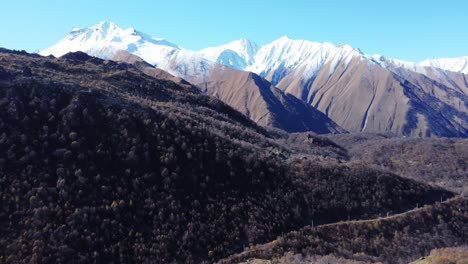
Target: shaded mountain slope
point(441, 161)
point(100, 162)
point(264, 103)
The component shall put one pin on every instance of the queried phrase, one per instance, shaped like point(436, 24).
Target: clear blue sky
point(404, 29)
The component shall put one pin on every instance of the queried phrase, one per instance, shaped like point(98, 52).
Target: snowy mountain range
point(105, 38)
point(360, 92)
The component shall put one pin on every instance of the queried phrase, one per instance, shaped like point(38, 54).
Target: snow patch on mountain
point(284, 55)
point(105, 38)
point(398, 65)
point(237, 54)
point(448, 64)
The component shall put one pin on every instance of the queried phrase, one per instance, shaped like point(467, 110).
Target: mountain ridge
point(360, 92)
point(455, 64)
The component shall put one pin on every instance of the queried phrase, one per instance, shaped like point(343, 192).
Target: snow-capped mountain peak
point(106, 26)
point(97, 32)
point(237, 54)
point(104, 39)
point(284, 55)
point(449, 64)
point(275, 59)
point(283, 38)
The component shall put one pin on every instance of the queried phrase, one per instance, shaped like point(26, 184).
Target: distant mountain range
point(284, 83)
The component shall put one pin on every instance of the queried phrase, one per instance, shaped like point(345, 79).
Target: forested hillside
point(102, 163)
